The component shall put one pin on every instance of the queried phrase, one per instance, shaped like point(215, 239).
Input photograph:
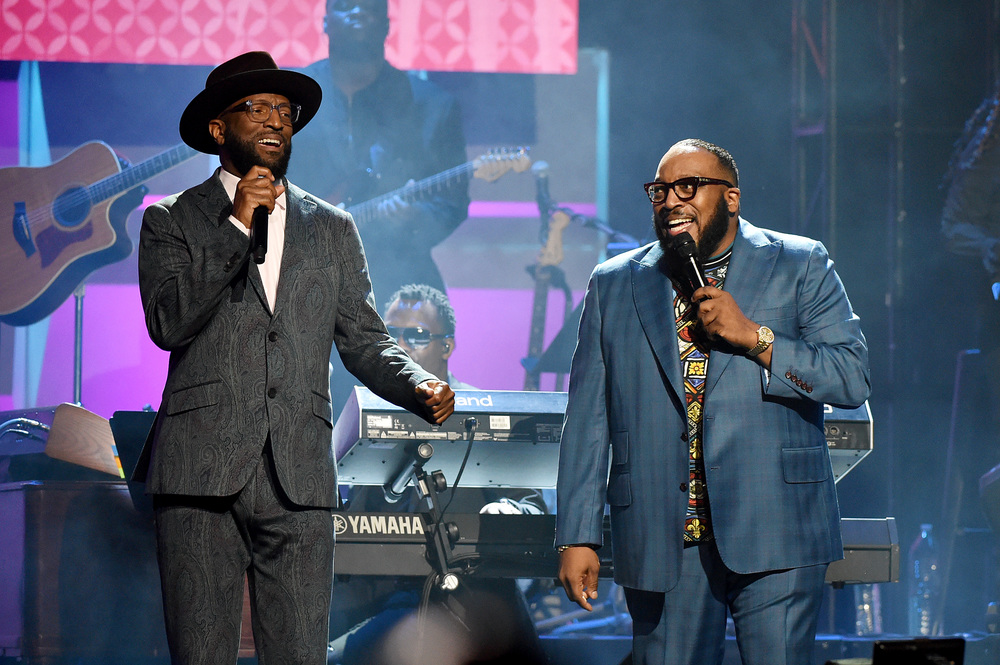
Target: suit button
point(684, 487)
point(809, 389)
point(684, 436)
point(788, 375)
point(271, 392)
point(273, 336)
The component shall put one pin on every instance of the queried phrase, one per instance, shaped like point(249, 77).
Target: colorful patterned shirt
point(694, 351)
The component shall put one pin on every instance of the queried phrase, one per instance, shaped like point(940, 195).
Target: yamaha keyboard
point(516, 439)
point(521, 546)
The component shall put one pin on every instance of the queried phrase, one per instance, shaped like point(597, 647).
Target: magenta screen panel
point(513, 36)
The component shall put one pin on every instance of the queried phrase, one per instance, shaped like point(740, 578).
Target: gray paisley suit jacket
point(239, 372)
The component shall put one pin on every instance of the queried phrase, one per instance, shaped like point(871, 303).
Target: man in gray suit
point(696, 413)
point(240, 461)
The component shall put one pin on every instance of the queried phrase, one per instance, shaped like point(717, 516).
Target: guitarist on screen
point(379, 128)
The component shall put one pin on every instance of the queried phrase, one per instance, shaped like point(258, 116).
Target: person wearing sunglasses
point(721, 493)
point(422, 321)
point(368, 611)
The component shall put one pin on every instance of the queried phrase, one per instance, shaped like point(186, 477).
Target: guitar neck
point(125, 180)
point(536, 339)
point(365, 211)
point(547, 266)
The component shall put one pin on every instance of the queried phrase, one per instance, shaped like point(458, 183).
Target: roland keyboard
point(516, 439)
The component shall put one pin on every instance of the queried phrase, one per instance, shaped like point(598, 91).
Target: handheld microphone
point(258, 234)
point(542, 197)
point(690, 267)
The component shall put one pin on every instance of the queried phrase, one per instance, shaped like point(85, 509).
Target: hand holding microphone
point(255, 198)
point(719, 315)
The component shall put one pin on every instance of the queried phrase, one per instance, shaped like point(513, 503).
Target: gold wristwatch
point(764, 339)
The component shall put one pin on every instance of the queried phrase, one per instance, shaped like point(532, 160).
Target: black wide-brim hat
point(247, 74)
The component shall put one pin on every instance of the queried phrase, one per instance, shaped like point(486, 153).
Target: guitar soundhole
point(72, 207)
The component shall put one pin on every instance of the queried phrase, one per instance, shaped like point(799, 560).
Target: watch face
point(765, 334)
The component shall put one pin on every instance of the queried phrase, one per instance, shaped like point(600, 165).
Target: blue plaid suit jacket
point(770, 485)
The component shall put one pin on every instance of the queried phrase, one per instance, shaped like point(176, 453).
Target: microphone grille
point(684, 245)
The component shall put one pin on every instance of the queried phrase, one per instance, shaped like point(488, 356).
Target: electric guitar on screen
point(488, 167)
point(59, 223)
point(547, 273)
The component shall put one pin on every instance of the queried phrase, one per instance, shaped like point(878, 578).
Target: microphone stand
point(598, 224)
point(78, 294)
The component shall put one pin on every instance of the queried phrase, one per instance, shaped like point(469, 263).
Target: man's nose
point(274, 119)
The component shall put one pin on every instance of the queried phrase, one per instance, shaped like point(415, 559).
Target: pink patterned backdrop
point(516, 36)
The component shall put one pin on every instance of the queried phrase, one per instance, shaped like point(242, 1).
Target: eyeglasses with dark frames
point(685, 189)
point(259, 111)
point(416, 338)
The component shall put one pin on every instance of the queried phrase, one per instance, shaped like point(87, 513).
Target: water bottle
point(925, 583)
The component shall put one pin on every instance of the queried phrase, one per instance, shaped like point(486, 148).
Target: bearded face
point(712, 232)
point(242, 150)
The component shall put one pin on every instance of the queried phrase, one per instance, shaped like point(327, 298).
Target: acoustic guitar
point(59, 223)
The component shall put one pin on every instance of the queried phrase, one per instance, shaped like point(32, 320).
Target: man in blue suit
point(696, 413)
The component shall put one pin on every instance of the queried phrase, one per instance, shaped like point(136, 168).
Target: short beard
point(715, 231)
point(712, 234)
point(243, 153)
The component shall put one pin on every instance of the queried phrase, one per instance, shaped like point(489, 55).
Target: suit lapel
point(750, 268)
point(654, 297)
point(217, 207)
point(253, 277)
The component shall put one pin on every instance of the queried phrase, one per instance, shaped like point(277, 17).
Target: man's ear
point(733, 200)
point(449, 348)
point(217, 128)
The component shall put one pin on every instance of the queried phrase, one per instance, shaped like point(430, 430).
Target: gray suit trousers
point(205, 547)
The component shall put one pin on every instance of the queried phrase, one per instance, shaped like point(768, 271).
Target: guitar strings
point(363, 212)
point(108, 186)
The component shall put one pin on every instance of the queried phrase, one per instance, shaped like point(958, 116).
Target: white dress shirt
point(275, 237)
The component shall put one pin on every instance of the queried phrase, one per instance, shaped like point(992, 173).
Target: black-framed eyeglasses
point(416, 338)
point(260, 111)
point(685, 188)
